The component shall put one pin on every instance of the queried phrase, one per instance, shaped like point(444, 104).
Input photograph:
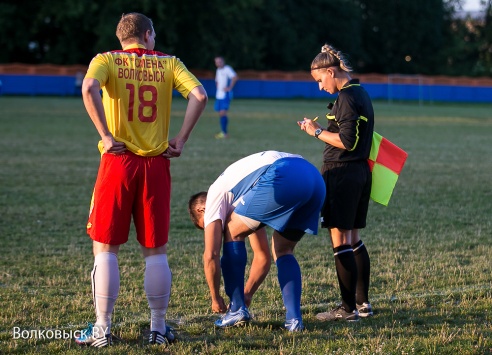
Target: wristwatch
point(318, 132)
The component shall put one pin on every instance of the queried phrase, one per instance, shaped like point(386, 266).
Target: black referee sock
point(347, 275)
point(363, 271)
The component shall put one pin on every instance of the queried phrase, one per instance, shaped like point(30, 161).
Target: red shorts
point(130, 185)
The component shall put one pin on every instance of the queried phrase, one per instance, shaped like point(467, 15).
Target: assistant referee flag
point(386, 161)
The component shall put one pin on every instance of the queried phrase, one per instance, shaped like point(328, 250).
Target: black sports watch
point(318, 132)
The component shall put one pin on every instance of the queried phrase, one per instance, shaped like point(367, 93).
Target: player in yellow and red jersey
point(132, 118)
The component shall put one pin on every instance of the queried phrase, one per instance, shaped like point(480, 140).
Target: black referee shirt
point(352, 116)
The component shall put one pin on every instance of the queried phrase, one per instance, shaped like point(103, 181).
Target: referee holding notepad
point(347, 176)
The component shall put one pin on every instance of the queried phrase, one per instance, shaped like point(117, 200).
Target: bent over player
point(134, 179)
point(280, 190)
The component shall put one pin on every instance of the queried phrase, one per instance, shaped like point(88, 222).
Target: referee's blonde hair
point(330, 57)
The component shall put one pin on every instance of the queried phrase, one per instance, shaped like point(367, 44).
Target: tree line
point(380, 36)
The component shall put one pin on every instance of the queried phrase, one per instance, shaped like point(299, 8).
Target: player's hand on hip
point(174, 149)
point(113, 147)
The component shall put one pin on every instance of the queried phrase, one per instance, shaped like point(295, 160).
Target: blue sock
point(223, 123)
point(233, 264)
point(289, 278)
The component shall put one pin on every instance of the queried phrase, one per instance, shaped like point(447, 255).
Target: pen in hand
point(301, 122)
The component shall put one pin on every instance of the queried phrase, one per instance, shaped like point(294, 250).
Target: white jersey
point(223, 77)
point(226, 192)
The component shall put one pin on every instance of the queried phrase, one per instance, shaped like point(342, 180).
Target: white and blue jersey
point(223, 78)
point(281, 190)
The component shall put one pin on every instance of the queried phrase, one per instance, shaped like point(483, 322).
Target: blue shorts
point(288, 196)
point(222, 104)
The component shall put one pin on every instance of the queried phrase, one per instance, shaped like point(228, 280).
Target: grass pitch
point(430, 248)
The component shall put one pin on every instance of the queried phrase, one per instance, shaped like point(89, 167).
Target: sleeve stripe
point(357, 132)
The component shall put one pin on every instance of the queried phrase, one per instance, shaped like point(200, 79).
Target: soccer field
point(430, 248)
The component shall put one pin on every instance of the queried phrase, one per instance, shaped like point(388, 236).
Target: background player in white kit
point(225, 79)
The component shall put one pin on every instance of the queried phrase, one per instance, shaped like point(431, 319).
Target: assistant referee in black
point(346, 172)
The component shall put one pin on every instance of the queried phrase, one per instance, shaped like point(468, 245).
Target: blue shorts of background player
point(222, 104)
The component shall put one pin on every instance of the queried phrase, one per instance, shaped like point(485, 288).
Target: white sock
point(105, 289)
point(157, 285)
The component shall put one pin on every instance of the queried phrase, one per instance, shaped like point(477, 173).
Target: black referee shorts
point(348, 190)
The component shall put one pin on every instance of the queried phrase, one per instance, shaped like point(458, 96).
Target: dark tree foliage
point(401, 36)
point(484, 64)
point(295, 32)
point(397, 36)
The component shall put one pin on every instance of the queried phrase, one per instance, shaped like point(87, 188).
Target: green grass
point(430, 248)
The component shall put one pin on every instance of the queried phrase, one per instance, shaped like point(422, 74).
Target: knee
point(278, 252)
point(104, 248)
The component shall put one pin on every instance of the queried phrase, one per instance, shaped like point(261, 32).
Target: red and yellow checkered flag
point(386, 161)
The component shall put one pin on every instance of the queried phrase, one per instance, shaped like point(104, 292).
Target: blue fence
point(56, 85)
point(66, 86)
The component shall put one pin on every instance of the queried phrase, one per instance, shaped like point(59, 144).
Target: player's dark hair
point(197, 199)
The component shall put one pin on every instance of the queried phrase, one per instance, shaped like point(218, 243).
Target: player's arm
point(211, 263)
point(197, 100)
point(94, 106)
point(233, 83)
point(260, 265)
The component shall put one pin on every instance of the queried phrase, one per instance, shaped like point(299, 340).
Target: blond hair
point(133, 26)
point(330, 57)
